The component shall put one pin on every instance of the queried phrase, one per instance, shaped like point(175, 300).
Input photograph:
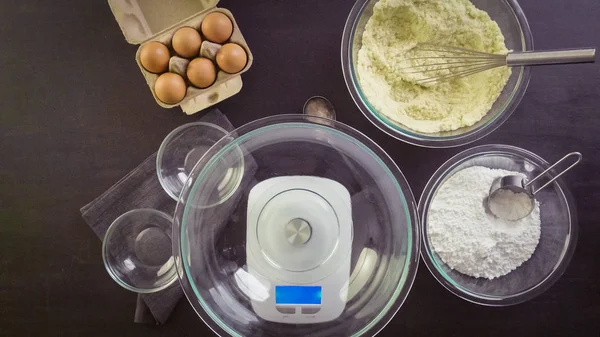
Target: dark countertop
point(77, 116)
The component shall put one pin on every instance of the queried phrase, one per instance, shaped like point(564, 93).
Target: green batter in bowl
point(424, 115)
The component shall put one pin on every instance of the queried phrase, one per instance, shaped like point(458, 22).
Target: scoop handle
point(572, 154)
point(563, 56)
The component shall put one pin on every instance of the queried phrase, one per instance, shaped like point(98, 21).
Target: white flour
point(469, 239)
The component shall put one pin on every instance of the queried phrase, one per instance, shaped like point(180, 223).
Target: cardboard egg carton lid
point(141, 20)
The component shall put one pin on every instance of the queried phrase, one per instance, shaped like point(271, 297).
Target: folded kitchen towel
point(141, 189)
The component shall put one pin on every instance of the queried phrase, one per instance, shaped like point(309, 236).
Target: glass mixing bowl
point(514, 26)
point(320, 237)
point(558, 230)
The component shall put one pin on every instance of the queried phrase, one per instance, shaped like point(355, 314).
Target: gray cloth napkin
point(141, 189)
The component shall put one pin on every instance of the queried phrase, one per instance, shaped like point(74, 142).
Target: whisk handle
point(534, 58)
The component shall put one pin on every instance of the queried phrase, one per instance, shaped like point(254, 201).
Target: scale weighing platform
point(298, 245)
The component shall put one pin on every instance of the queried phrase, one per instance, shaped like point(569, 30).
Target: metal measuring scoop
point(513, 197)
point(320, 107)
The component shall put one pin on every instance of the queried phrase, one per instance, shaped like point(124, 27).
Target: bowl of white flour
point(485, 259)
point(379, 34)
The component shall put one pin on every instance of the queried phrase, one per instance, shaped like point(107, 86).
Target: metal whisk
point(439, 63)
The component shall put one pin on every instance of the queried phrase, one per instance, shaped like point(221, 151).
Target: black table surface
point(76, 116)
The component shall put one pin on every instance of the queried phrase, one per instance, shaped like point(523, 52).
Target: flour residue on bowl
point(471, 240)
point(394, 29)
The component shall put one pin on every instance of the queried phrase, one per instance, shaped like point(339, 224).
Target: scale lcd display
point(298, 295)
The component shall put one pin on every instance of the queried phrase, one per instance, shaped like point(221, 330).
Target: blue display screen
point(297, 295)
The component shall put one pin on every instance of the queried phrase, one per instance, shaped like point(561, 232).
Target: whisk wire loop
point(440, 63)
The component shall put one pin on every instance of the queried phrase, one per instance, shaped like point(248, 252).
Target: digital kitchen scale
point(299, 240)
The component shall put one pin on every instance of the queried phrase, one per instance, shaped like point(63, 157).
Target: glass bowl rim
point(404, 134)
point(496, 301)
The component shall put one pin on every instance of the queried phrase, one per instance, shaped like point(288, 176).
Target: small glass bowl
point(137, 251)
point(182, 149)
point(511, 20)
point(558, 231)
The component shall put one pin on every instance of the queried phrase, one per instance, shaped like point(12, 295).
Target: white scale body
point(298, 245)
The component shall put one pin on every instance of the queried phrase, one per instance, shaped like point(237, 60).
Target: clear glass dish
point(182, 149)
point(137, 251)
point(321, 237)
point(514, 26)
point(558, 232)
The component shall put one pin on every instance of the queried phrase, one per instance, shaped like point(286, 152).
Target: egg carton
point(142, 21)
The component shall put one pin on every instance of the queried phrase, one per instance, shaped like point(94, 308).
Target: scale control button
point(286, 310)
point(310, 311)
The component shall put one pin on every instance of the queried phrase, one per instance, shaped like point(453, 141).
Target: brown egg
point(217, 27)
point(186, 42)
point(201, 72)
point(170, 88)
point(232, 58)
point(154, 57)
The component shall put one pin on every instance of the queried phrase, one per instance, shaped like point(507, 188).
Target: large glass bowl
point(238, 262)
point(558, 230)
point(514, 26)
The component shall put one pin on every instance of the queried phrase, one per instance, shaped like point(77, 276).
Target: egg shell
point(201, 72)
point(154, 57)
point(186, 42)
point(170, 88)
point(217, 27)
point(232, 58)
